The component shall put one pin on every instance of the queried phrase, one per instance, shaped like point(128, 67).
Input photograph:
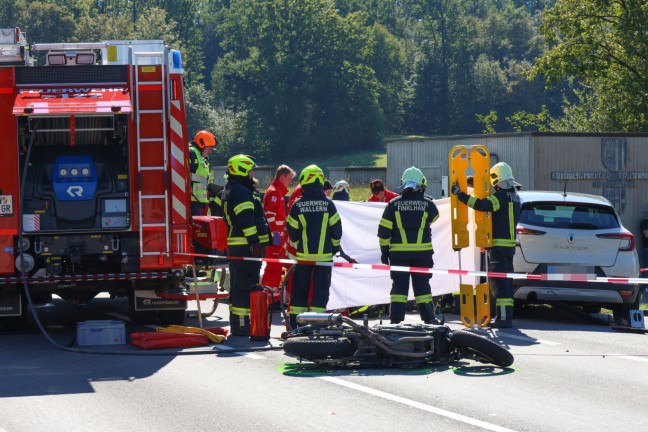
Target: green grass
point(359, 193)
point(371, 158)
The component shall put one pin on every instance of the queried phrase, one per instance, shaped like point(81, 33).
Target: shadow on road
point(31, 366)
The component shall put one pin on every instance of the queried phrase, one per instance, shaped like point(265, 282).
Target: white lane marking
point(640, 359)
point(241, 353)
point(418, 405)
point(527, 339)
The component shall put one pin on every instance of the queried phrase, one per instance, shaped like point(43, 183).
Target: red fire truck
point(94, 183)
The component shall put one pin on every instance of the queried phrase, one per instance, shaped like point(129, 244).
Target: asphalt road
point(569, 374)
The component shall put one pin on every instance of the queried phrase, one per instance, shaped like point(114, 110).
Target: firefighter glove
point(256, 250)
point(384, 255)
point(276, 238)
point(455, 190)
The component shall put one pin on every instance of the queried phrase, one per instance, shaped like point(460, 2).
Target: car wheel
point(481, 349)
point(621, 313)
point(592, 309)
point(519, 307)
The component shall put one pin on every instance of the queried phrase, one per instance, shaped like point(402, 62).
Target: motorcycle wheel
point(319, 347)
point(481, 348)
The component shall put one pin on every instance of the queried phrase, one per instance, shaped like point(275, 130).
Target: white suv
point(574, 234)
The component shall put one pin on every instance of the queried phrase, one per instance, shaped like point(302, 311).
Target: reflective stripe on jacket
point(405, 225)
point(199, 176)
point(314, 225)
point(505, 205)
point(244, 215)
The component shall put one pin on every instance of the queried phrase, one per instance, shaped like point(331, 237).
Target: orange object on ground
point(218, 330)
point(158, 335)
point(216, 338)
point(173, 340)
point(259, 319)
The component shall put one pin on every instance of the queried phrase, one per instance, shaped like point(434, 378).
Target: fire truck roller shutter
point(84, 187)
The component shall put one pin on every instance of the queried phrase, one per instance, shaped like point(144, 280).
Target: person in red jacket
point(274, 206)
point(379, 193)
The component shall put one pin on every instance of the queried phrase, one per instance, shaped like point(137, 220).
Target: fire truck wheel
point(319, 347)
point(14, 324)
point(481, 349)
point(171, 317)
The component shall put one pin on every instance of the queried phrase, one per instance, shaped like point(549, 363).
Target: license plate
point(6, 204)
point(572, 269)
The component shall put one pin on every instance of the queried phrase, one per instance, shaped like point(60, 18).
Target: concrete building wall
point(357, 176)
point(612, 165)
point(265, 175)
point(431, 156)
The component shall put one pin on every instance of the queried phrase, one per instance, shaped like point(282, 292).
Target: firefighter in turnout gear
point(405, 237)
point(315, 228)
point(505, 206)
point(214, 195)
point(199, 149)
point(247, 235)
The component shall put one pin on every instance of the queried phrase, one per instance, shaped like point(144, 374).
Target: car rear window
point(565, 215)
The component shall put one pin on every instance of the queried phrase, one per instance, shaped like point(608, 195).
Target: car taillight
point(627, 241)
point(528, 231)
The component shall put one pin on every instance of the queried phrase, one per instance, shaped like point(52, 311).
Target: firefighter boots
point(239, 325)
point(504, 318)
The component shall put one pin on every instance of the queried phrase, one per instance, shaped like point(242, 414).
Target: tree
point(46, 22)
point(95, 26)
point(525, 121)
point(10, 12)
point(154, 24)
point(604, 45)
point(190, 29)
point(490, 83)
point(304, 74)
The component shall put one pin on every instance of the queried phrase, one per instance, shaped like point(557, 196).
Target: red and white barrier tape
point(540, 277)
point(80, 278)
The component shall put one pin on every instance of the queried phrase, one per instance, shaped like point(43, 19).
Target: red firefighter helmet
point(205, 139)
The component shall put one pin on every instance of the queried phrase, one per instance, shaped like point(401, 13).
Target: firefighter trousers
point(301, 282)
point(400, 289)
point(500, 260)
point(244, 276)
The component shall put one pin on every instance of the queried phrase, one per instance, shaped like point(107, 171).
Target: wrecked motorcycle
point(332, 339)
